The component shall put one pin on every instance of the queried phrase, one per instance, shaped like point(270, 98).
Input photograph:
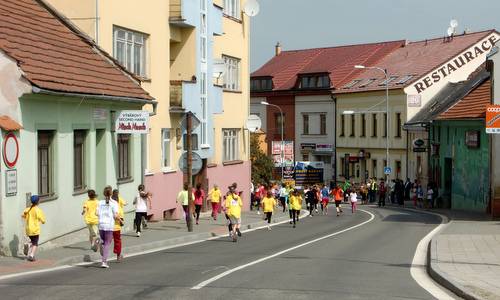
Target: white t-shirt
point(354, 197)
point(106, 213)
point(141, 204)
point(429, 194)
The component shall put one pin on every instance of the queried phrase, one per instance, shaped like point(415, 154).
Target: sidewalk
point(465, 256)
point(158, 235)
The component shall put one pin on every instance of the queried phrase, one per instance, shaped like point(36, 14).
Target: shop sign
point(472, 138)
point(414, 100)
point(324, 148)
point(10, 150)
point(132, 121)
point(493, 119)
point(308, 146)
point(288, 153)
point(353, 159)
point(10, 182)
point(419, 145)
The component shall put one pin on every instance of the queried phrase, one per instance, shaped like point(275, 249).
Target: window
point(232, 73)
point(322, 124)
point(279, 123)
point(374, 125)
point(165, 148)
point(261, 84)
point(124, 157)
point(363, 125)
point(367, 82)
point(45, 163)
point(232, 8)
point(398, 125)
point(353, 125)
point(130, 50)
point(305, 122)
point(314, 81)
point(230, 144)
point(385, 124)
point(194, 142)
point(352, 84)
point(79, 159)
point(342, 125)
point(404, 79)
point(388, 80)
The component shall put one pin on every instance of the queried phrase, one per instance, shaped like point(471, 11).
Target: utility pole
point(189, 164)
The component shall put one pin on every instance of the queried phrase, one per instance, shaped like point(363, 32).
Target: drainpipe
point(407, 152)
point(97, 22)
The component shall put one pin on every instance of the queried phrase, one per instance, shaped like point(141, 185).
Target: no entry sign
point(10, 150)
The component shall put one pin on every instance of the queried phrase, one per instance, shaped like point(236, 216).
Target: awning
point(6, 123)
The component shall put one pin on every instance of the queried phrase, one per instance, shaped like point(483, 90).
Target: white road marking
point(224, 274)
point(419, 265)
point(27, 273)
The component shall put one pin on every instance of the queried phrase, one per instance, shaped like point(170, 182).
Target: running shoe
point(268, 227)
point(104, 265)
point(293, 225)
point(138, 234)
point(238, 231)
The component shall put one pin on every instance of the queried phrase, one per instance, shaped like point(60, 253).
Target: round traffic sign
point(196, 166)
point(10, 150)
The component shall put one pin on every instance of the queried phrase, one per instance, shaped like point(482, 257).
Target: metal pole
point(282, 145)
point(189, 164)
point(387, 109)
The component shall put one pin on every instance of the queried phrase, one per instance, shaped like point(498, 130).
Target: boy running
point(296, 205)
point(338, 196)
point(33, 216)
point(325, 192)
point(90, 217)
point(268, 204)
point(233, 206)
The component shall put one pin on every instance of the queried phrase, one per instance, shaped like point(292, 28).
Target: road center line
point(224, 274)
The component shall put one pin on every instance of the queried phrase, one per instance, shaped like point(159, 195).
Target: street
point(371, 261)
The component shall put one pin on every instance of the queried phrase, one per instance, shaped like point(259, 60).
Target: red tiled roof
point(415, 58)
point(471, 106)
point(338, 61)
point(8, 124)
point(54, 56)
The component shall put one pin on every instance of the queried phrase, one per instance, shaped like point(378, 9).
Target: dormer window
point(318, 81)
point(261, 84)
point(388, 80)
point(352, 83)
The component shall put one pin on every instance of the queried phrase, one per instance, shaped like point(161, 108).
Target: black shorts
point(34, 239)
point(337, 203)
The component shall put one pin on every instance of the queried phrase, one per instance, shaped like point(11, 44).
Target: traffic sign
point(10, 150)
point(197, 163)
point(387, 170)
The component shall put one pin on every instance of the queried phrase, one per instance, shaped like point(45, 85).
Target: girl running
point(107, 212)
point(296, 205)
point(199, 196)
point(119, 222)
point(90, 217)
point(33, 216)
point(268, 205)
point(354, 200)
point(215, 196)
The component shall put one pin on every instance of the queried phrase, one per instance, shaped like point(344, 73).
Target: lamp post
point(282, 146)
point(387, 108)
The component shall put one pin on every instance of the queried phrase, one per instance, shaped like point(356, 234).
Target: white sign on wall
point(10, 182)
point(132, 121)
point(414, 100)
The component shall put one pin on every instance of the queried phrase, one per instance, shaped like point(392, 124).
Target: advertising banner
point(288, 153)
point(309, 172)
point(493, 119)
point(132, 121)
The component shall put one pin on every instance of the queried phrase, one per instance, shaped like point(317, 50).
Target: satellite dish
point(219, 67)
point(251, 8)
point(450, 31)
point(454, 23)
point(253, 123)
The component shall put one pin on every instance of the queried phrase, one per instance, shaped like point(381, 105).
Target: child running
point(338, 196)
point(215, 196)
point(325, 192)
point(142, 201)
point(33, 216)
point(233, 205)
point(90, 217)
point(117, 236)
point(268, 205)
point(296, 205)
point(354, 200)
point(107, 212)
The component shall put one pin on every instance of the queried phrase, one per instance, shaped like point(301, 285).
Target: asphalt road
point(369, 262)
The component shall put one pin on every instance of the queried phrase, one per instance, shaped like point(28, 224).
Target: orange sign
point(493, 119)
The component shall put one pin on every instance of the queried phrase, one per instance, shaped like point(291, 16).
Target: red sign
point(493, 119)
point(10, 150)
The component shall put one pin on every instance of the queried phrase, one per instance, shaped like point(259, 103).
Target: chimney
point(277, 49)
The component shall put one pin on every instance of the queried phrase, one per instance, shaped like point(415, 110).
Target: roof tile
point(471, 106)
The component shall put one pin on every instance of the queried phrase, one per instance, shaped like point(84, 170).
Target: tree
point(262, 165)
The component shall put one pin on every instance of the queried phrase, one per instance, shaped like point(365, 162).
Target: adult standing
point(199, 197)
point(142, 201)
point(107, 212)
point(408, 186)
point(215, 196)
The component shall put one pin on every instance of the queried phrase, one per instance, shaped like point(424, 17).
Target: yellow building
point(192, 56)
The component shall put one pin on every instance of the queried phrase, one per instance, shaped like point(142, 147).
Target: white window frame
point(230, 145)
point(232, 8)
point(166, 149)
point(130, 40)
point(232, 73)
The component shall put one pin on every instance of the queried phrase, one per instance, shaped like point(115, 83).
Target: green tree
point(262, 165)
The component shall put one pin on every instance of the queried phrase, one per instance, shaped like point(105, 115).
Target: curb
point(169, 243)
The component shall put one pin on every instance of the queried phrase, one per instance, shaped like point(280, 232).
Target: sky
point(301, 24)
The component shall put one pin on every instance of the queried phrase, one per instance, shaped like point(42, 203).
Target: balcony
point(183, 13)
point(180, 90)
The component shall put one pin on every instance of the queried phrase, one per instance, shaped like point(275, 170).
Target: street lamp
point(282, 146)
point(387, 107)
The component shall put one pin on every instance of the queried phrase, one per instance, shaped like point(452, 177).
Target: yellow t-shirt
point(34, 216)
point(268, 204)
point(215, 195)
point(296, 202)
point(233, 206)
point(90, 215)
point(121, 204)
